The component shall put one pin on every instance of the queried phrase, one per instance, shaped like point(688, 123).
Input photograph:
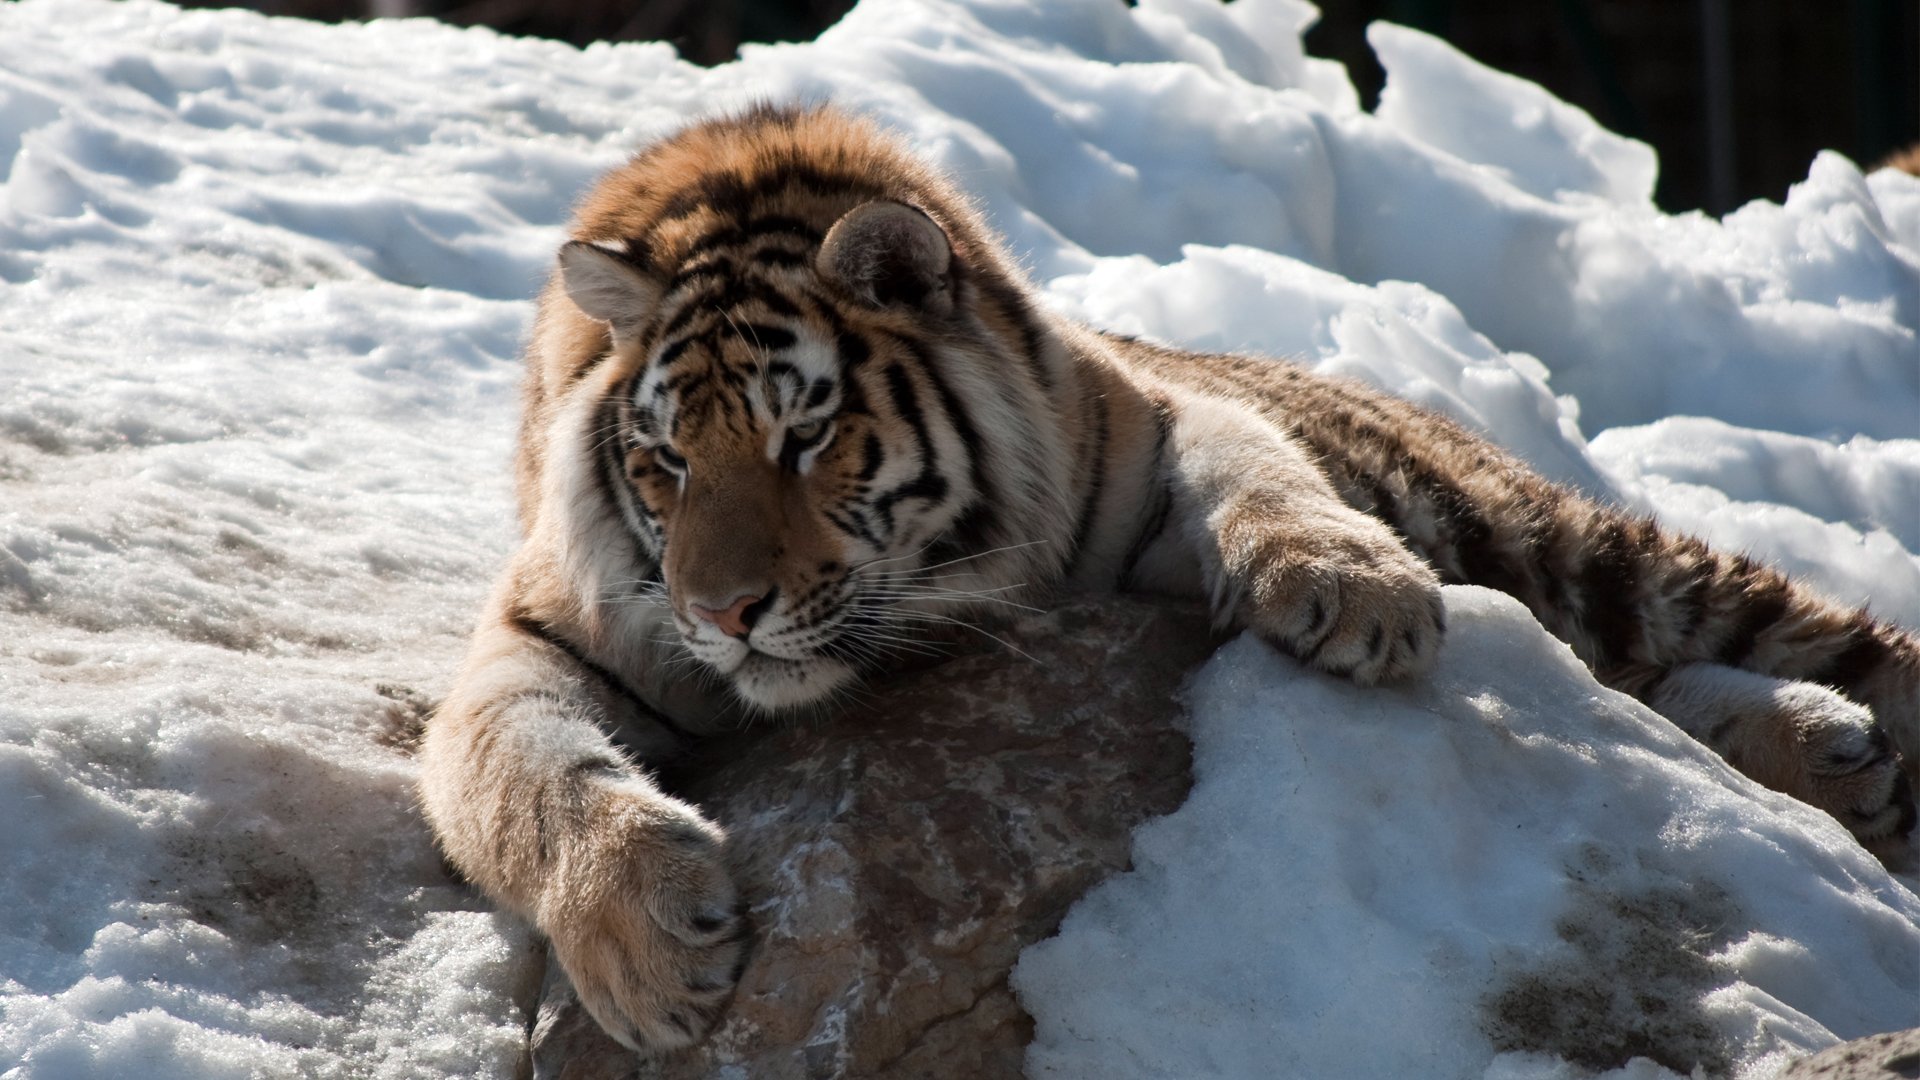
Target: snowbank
point(261, 287)
point(1402, 882)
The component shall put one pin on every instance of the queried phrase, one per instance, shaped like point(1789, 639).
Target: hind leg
point(1798, 738)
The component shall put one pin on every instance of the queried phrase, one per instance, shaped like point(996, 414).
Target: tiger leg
point(534, 804)
point(1716, 636)
point(1282, 555)
point(1795, 737)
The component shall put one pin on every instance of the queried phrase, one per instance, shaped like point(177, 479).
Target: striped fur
point(790, 409)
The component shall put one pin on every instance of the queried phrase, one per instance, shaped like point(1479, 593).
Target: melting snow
point(261, 287)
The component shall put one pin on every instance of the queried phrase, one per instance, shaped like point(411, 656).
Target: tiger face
point(789, 460)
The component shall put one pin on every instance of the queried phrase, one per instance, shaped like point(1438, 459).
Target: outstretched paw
point(1373, 616)
point(647, 924)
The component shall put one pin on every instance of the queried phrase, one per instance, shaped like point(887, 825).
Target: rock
point(896, 859)
point(1895, 1054)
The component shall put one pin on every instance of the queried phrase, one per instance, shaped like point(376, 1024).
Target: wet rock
point(897, 858)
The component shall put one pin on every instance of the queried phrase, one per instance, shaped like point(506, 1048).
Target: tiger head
point(792, 435)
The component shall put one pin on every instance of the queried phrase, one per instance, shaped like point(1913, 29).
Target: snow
point(261, 287)
point(1473, 864)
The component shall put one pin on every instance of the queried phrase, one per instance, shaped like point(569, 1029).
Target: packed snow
point(261, 287)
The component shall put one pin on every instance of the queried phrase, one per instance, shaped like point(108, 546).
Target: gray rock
point(1895, 1054)
point(899, 857)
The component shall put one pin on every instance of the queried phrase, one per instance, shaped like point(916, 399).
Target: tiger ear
point(607, 286)
point(890, 255)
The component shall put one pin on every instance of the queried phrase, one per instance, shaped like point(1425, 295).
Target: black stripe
point(853, 353)
point(1032, 342)
point(980, 517)
point(1865, 651)
point(1381, 501)
point(853, 349)
point(525, 623)
point(615, 482)
point(871, 458)
point(1545, 506)
point(691, 307)
point(687, 275)
point(613, 467)
point(822, 308)
point(1689, 603)
point(1096, 463)
point(781, 257)
point(1764, 599)
point(639, 253)
point(584, 369)
point(733, 265)
point(769, 338)
point(1468, 536)
point(1608, 587)
point(969, 535)
point(906, 404)
point(856, 526)
point(683, 384)
point(672, 352)
point(753, 228)
point(929, 484)
point(961, 420)
point(853, 399)
point(1377, 644)
point(1155, 520)
point(732, 195)
point(724, 295)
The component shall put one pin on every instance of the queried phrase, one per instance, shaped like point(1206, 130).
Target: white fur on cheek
point(593, 544)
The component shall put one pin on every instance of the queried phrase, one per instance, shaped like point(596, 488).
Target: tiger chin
point(790, 410)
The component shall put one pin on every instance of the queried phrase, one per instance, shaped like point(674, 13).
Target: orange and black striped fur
point(788, 403)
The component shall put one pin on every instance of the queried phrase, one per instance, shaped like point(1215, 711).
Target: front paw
point(1368, 614)
point(646, 922)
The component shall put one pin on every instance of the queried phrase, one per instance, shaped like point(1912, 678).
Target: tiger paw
point(1844, 763)
point(1797, 738)
point(645, 920)
point(1368, 614)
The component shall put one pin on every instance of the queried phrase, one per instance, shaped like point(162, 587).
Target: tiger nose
point(737, 618)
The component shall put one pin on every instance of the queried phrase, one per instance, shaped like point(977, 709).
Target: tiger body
point(789, 404)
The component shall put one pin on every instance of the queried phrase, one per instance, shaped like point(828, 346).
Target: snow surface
point(261, 287)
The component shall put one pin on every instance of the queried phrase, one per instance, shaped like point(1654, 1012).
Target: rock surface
point(1894, 1055)
point(897, 859)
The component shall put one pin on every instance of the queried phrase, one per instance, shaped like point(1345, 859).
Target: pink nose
point(738, 618)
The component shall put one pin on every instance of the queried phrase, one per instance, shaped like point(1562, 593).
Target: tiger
point(790, 407)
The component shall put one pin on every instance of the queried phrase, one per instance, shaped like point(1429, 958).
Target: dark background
point(1736, 95)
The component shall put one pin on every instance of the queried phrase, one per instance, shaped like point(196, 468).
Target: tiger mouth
point(755, 658)
point(774, 682)
point(856, 639)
